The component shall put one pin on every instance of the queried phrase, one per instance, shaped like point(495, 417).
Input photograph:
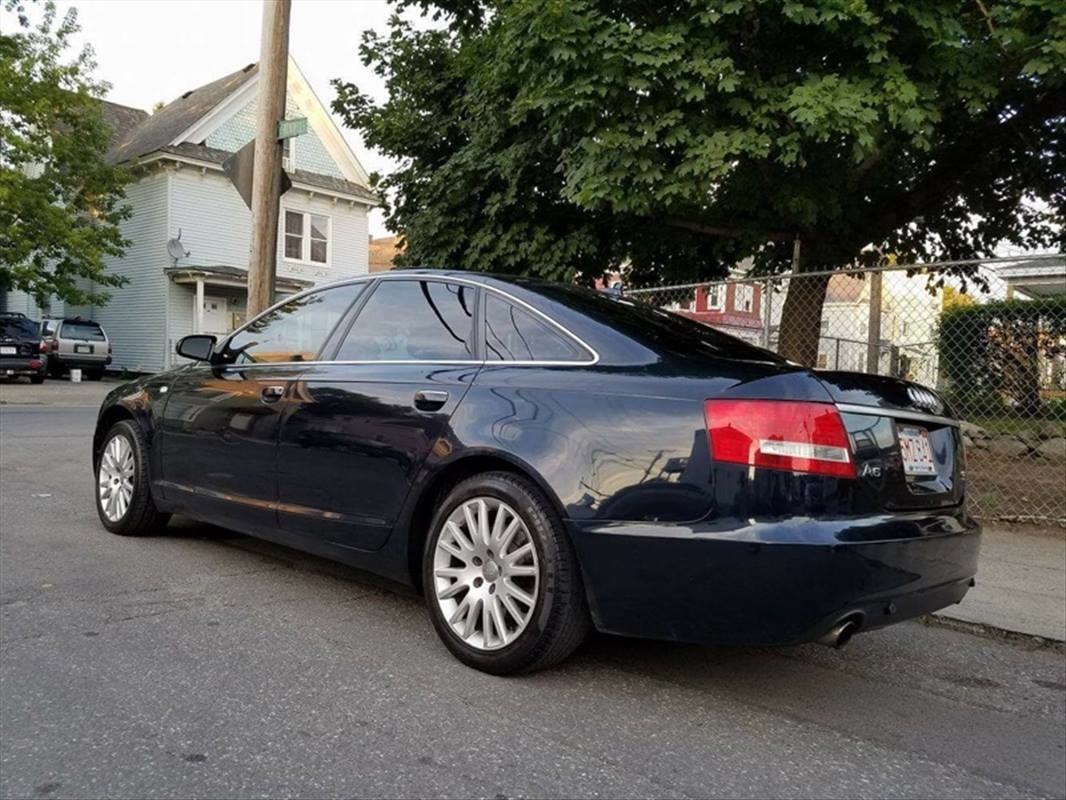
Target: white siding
point(216, 230)
point(135, 317)
point(24, 303)
point(215, 223)
point(179, 317)
point(216, 227)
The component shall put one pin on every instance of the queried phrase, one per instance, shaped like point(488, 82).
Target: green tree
point(60, 202)
point(565, 137)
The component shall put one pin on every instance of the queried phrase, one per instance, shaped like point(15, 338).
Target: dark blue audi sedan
point(540, 460)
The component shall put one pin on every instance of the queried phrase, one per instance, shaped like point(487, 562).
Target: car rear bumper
point(10, 367)
point(773, 582)
point(81, 361)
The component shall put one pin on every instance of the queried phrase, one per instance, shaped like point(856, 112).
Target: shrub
point(992, 354)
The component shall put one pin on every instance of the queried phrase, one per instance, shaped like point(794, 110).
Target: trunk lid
point(905, 439)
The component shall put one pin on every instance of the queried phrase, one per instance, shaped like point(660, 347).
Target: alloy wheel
point(115, 478)
point(486, 573)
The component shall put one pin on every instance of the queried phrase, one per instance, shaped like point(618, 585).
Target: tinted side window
point(513, 334)
point(411, 320)
point(661, 330)
point(294, 331)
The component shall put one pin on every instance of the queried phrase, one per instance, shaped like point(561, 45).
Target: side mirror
point(198, 347)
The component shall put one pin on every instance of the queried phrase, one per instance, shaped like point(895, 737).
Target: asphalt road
point(201, 663)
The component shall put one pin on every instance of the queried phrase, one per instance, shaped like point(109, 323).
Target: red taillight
point(55, 345)
point(42, 348)
point(779, 434)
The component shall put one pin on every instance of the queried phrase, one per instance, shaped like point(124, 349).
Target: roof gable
point(162, 127)
point(301, 100)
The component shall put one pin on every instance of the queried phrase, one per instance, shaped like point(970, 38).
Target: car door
point(220, 424)
point(359, 426)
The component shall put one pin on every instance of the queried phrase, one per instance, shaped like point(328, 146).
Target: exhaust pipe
point(840, 634)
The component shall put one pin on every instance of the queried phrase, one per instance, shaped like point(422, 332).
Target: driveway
point(203, 663)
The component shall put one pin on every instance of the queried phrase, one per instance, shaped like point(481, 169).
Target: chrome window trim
point(594, 356)
point(897, 413)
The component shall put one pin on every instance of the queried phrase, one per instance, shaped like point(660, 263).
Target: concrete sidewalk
point(1021, 585)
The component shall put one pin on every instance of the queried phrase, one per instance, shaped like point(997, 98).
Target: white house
point(180, 188)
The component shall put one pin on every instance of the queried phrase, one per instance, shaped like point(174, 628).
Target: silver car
point(76, 343)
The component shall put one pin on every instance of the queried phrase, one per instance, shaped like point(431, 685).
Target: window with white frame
point(288, 154)
point(743, 297)
point(716, 297)
point(307, 236)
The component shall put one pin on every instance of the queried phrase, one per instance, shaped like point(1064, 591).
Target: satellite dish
point(176, 249)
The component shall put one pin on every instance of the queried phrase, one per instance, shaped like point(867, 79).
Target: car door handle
point(271, 394)
point(429, 400)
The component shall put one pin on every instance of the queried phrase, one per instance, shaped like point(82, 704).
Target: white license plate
point(83, 348)
point(916, 451)
point(8, 351)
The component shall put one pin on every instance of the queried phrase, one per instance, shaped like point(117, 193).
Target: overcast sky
point(157, 50)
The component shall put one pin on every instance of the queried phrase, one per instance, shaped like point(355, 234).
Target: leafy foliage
point(994, 352)
point(60, 202)
point(565, 137)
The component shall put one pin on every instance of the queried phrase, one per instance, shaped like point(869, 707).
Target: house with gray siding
point(180, 188)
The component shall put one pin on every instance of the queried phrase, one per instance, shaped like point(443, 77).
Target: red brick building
point(735, 308)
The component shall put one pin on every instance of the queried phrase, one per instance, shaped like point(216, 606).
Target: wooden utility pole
point(873, 333)
point(266, 176)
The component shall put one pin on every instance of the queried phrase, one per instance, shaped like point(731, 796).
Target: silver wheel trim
point(114, 480)
point(486, 573)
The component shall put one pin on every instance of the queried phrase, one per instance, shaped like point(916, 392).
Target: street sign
point(239, 169)
point(288, 128)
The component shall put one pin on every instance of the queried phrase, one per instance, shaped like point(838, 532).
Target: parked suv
point(21, 349)
point(76, 343)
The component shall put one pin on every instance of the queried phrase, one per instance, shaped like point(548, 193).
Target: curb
point(1028, 641)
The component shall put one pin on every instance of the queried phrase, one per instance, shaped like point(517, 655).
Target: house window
point(716, 297)
point(307, 237)
point(294, 235)
point(743, 297)
point(288, 154)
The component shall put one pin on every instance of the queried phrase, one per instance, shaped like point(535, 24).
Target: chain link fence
point(989, 335)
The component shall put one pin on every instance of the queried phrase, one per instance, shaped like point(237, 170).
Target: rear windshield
point(82, 330)
point(18, 328)
point(663, 331)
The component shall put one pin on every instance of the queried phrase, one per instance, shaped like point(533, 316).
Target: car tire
point(123, 490)
point(558, 619)
point(55, 370)
point(37, 379)
point(94, 374)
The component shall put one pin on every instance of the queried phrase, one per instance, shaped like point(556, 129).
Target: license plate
point(83, 348)
point(8, 351)
point(916, 451)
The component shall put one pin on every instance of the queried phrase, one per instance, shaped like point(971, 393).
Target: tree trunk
point(801, 319)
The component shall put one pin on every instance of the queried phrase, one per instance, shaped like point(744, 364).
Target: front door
point(359, 427)
point(220, 424)
point(216, 316)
